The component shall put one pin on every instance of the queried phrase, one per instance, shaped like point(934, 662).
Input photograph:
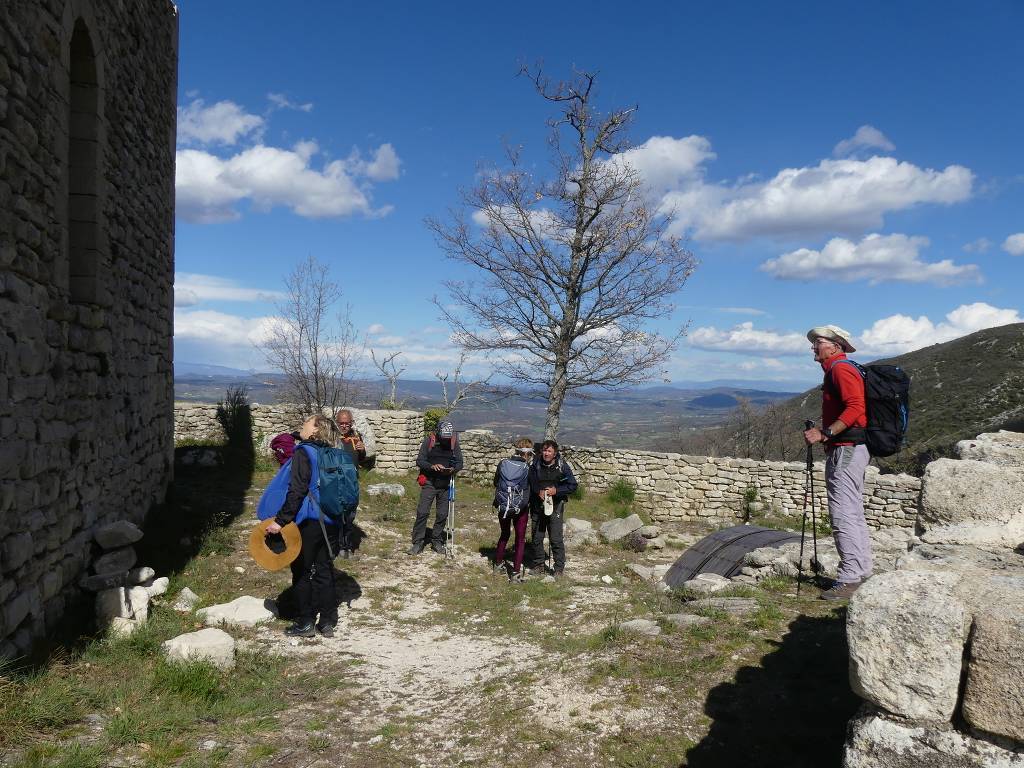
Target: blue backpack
point(511, 493)
point(333, 489)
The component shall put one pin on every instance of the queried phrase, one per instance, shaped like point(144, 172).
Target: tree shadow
point(790, 711)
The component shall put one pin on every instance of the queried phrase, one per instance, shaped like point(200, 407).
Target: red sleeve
point(850, 385)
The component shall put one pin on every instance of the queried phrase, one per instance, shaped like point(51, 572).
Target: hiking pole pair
point(449, 523)
point(809, 499)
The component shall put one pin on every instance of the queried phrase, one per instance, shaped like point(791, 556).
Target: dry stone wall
point(87, 126)
point(397, 434)
point(675, 488)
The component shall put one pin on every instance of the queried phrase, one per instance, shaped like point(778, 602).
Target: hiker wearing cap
point(551, 482)
point(440, 457)
point(312, 571)
point(842, 432)
point(511, 501)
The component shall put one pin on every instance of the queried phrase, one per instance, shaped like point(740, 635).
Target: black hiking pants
point(430, 495)
point(313, 576)
point(542, 524)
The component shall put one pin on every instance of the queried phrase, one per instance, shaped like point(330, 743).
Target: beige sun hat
point(832, 333)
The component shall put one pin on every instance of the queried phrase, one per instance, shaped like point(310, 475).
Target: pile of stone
point(123, 591)
point(935, 646)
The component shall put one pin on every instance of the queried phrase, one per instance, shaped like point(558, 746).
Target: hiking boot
point(438, 548)
point(301, 629)
point(559, 574)
point(517, 577)
point(841, 591)
point(327, 630)
point(344, 554)
point(498, 569)
point(415, 549)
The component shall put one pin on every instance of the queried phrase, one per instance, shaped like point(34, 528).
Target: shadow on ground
point(791, 711)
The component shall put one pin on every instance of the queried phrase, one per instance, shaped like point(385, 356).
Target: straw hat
point(274, 552)
point(832, 333)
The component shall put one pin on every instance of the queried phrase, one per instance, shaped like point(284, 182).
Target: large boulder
point(244, 611)
point(993, 694)
point(875, 742)
point(213, 645)
point(1003, 448)
point(906, 631)
point(973, 503)
point(620, 527)
point(117, 534)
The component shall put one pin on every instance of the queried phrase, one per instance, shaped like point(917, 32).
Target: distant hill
point(958, 389)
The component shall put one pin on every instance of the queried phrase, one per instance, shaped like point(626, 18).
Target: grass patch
point(621, 492)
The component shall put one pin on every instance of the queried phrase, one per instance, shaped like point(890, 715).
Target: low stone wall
point(673, 487)
point(397, 433)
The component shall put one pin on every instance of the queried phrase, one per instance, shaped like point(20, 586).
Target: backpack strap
point(315, 477)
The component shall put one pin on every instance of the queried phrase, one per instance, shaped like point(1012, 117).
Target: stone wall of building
point(87, 132)
point(673, 487)
point(397, 434)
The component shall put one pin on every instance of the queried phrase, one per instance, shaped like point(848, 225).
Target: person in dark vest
point(512, 502)
point(551, 482)
point(352, 443)
point(843, 432)
point(312, 571)
point(440, 457)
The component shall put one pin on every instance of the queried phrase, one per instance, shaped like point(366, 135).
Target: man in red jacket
point(843, 428)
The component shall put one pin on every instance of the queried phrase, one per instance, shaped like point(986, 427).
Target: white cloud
point(665, 162)
point(193, 288)
point(384, 164)
point(375, 328)
point(897, 334)
point(209, 188)
point(222, 123)
point(747, 340)
point(866, 137)
point(1014, 244)
point(224, 329)
point(876, 258)
point(742, 311)
point(280, 101)
point(847, 196)
point(981, 245)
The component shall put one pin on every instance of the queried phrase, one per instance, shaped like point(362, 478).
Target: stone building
point(87, 134)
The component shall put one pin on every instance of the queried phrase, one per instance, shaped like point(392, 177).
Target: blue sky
point(829, 163)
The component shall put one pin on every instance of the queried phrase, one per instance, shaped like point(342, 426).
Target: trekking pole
point(814, 503)
point(449, 524)
point(808, 499)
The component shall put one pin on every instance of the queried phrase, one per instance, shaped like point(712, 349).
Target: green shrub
point(622, 492)
point(431, 418)
point(580, 493)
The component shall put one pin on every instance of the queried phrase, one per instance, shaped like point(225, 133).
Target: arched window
point(83, 169)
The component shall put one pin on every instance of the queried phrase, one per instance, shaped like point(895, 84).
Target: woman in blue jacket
point(313, 570)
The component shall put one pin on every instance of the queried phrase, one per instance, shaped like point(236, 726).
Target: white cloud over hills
point(875, 259)
point(844, 195)
point(211, 186)
point(1014, 244)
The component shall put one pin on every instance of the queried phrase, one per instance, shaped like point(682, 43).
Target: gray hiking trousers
point(844, 481)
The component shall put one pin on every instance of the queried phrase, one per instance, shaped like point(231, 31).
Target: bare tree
point(314, 345)
point(389, 370)
point(571, 268)
point(477, 389)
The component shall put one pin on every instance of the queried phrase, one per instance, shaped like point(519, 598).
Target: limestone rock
point(906, 631)
point(118, 534)
point(619, 528)
point(386, 489)
point(213, 645)
point(656, 543)
point(994, 697)
point(762, 556)
point(187, 601)
point(686, 619)
point(122, 603)
point(875, 742)
point(971, 502)
point(649, 531)
point(138, 602)
point(120, 627)
point(641, 627)
point(1005, 449)
point(575, 525)
point(244, 611)
point(641, 571)
point(706, 584)
point(156, 587)
point(140, 575)
point(658, 571)
point(737, 606)
point(115, 561)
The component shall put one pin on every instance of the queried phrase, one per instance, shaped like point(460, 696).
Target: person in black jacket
point(439, 458)
point(312, 571)
point(551, 482)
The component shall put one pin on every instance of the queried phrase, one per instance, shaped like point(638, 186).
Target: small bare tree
point(389, 370)
point(314, 345)
point(571, 268)
point(477, 389)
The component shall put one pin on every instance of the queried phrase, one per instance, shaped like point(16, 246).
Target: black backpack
point(887, 397)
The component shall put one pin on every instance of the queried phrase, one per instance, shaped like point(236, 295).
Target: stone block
point(971, 502)
point(212, 645)
point(641, 627)
point(116, 560)
point(994, 696)
point(906, 632)
point(245, 611)
point(619, 528)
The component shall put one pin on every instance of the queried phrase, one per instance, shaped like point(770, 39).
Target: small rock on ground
point(641, 626)
point(686, 619)
point(187, 601)
point(244, 611)
point(213, 645)
point(385, 489)
point(733, 605)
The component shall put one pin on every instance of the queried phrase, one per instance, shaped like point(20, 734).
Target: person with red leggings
point(512, 501)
